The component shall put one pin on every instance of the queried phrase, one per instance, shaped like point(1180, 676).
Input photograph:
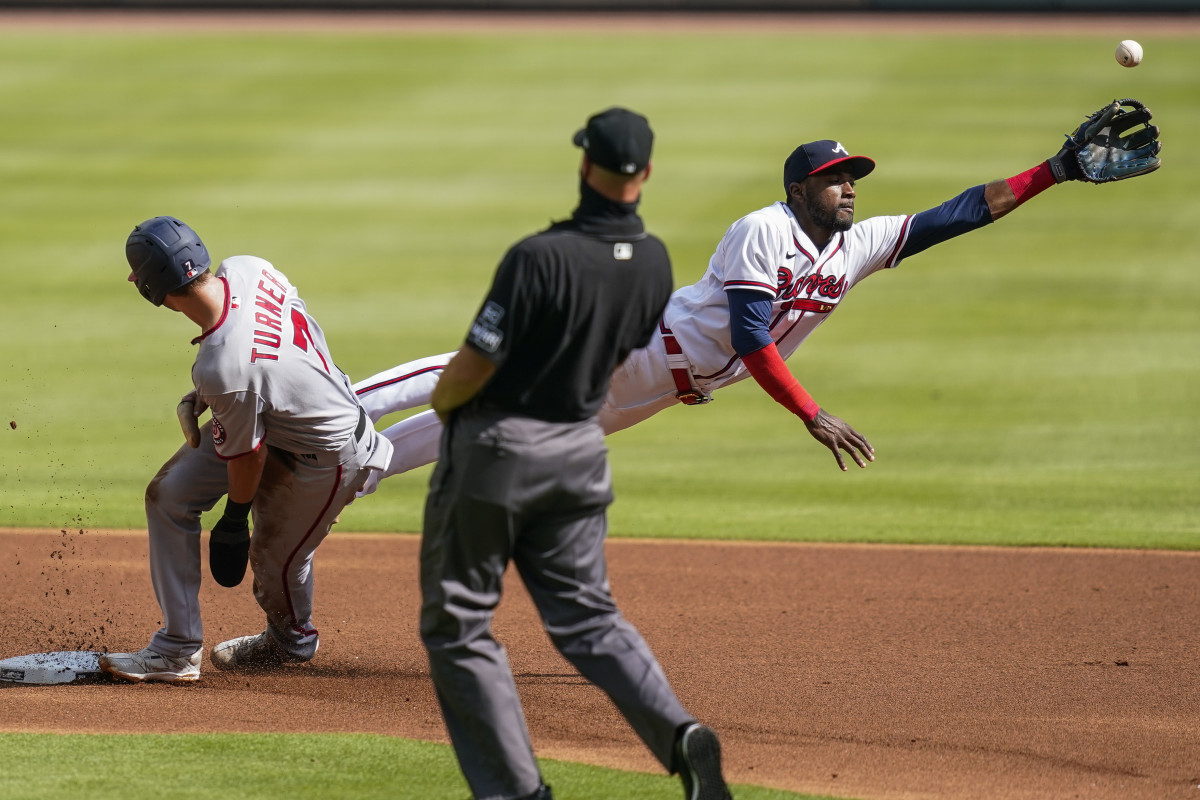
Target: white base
point(50, 668)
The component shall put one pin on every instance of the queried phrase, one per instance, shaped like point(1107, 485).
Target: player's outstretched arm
point(1113, 144)
point(835, 434)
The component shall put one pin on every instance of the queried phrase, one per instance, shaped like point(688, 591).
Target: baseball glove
point(1111, 145)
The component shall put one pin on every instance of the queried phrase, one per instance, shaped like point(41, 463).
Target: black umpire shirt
point(566, 307)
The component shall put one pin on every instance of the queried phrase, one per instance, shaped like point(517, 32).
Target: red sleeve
point(1032, 182)
point(767, 368)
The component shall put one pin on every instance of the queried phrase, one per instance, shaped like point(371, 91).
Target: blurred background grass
point(1032, 382)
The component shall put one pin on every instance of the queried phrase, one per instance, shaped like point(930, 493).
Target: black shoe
point(543, 793)
point(698, 759)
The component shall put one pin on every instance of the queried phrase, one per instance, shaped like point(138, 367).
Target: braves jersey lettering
point(830, 286)
point(767, 251)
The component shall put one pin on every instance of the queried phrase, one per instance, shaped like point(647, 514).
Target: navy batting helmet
point(165, 255)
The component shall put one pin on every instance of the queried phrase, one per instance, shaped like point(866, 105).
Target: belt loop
point(362, 424)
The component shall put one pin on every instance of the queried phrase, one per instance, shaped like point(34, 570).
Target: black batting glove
point(229, 545)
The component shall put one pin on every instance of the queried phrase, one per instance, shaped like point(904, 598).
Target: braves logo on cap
point(823, 154)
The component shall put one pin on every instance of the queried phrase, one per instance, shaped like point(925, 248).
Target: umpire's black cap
point(813, 157)
point(618, 139)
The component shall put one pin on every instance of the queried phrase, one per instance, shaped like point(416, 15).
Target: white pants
point(641, 387)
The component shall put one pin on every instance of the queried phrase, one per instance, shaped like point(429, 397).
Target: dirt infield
point(874, 672)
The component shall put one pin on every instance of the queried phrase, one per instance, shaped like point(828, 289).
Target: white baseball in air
point(1129, 53)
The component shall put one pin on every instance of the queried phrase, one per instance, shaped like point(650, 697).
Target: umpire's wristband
point(236, 512)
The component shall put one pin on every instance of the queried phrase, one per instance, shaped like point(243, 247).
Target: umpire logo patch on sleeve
point(485, 333)
point(622, 251)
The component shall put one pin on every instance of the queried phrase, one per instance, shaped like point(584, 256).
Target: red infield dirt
point(858, 671)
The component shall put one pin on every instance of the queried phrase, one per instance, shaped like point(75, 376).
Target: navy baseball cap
point(618, 140)
point(809, 159)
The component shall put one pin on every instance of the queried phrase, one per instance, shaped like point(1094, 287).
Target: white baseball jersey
point(767, 251)
point(265, 371)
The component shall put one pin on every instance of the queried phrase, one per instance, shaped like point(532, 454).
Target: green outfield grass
point(217, 767)
point(1035, 382)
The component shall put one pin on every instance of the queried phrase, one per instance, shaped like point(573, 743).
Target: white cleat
point(147, 665)
point(257, 652)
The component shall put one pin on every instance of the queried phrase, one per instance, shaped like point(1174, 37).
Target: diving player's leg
point(414, 444)
point(402, 387)
point(641, 387)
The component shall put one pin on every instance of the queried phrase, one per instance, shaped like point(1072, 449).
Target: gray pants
point(293, 510)
point(534, 492)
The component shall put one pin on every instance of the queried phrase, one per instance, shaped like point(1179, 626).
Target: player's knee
point(154, 490)
point(167, 489)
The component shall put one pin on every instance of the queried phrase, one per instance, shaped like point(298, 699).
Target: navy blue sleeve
point(956, 216)
point(749, 320)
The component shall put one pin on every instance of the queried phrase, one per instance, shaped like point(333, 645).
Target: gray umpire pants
point(293, 511)
point(514, 488)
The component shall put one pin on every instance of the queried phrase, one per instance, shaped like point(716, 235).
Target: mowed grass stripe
point(386, 174)
point(274, 766)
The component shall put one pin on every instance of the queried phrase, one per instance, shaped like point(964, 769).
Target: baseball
point(1129, 53)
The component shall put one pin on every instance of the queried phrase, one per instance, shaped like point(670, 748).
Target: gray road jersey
point(265, 370)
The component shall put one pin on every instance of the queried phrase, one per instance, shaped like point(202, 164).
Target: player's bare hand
point(835, 434)
point(186, 413)
point(198, 404)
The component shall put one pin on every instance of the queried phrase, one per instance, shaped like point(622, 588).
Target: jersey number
point(302, 337)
